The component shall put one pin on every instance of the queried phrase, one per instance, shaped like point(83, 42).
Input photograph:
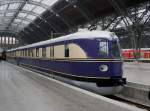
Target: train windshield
point(115, 49)
point(103, 49)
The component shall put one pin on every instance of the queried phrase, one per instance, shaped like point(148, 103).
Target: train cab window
point(37, 52)
point(66, 50)
point(115, 50)
point(52, 51)
point(103, 49)
point(44, 52)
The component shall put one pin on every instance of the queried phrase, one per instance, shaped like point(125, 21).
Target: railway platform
point(137, 73)
point(138, 83)
point(24, 90)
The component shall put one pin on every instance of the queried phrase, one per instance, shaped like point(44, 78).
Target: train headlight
point(103, 68)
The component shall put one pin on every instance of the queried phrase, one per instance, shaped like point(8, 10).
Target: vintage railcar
point(3, 55)
point(84, 56)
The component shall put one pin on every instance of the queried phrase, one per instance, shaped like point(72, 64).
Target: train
point(91, 56)
point(3, 55)
point(129, 54)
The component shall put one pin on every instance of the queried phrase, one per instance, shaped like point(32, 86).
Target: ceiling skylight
point(14, 6)
point(3, 7)
point(28, 7)
point(39, 10)
point(11, 12)
point(31, 17)
point(22, 15)
point(49, 2)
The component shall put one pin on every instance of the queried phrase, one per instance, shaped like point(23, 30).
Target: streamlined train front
point(109, 62)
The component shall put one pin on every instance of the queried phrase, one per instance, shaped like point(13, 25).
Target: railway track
point(131, 102)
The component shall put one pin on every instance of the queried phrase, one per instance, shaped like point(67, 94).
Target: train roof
point(78, 35)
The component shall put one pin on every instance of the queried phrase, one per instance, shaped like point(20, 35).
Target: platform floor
point(137, 72)
point(22, 90)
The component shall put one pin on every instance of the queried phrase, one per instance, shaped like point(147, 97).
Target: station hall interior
point(74, 55)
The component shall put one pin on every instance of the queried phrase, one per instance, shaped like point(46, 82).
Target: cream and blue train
point(84, 56)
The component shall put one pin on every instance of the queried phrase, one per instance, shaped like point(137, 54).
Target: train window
point(28, 53)
point(44, 52)
point(66, 50)
point(115, 50)
point(52, 51)
point(32, 52)
point(25, 53)
point(37, 52)
point(21, 53)
point(103, 49)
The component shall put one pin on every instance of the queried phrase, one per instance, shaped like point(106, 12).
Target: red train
point(129, 53)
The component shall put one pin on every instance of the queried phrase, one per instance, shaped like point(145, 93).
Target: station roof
point(34, 20)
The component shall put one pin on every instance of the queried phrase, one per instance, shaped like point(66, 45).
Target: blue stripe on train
point(88, 69)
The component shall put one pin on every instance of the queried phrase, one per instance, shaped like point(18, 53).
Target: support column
point(4, 40)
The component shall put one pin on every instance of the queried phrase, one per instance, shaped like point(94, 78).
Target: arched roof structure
point(17, 14)
point(34, 20)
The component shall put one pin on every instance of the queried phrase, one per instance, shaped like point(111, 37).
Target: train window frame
point(28, 52)
point(115, 50)
point(51, 51)
point(32, 52)
point(104, 48)
point(37, 52)
point(44, 52)
point(25, 52)
point(67, 52)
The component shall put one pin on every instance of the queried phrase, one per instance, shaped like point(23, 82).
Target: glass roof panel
point(22, 14)
point(3, 7)
point(14, 6)
point(17, 20)
point(37, 0)
point(28, 7)
point(25, 22)
point(1, 14)
point(9, 14)
point(6, 20)
point(2, 28)
point(31, 17)
point(14, 24)
point(39, 10)
point(49, 2)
